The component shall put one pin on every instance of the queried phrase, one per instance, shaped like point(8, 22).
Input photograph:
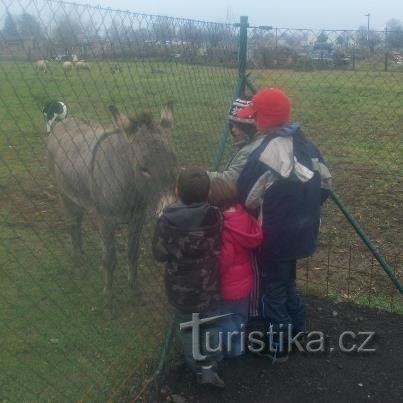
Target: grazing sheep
point(117, 173)
point(116, 69)
point(82, 65)
point(67, 66)
point(41, 65)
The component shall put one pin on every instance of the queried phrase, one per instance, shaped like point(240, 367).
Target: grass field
point(55, 344)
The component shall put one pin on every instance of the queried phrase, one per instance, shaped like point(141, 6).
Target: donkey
point(118, 173)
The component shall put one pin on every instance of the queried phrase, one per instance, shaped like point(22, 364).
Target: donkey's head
point(155, 162)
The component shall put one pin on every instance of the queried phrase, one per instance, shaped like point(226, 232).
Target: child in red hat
point(286, 177)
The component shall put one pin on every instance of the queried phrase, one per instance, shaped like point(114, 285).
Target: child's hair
point(249, 129)
point(193, 185)
point(223, 194)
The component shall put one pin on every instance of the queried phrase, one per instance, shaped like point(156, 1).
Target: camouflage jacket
point(187, 240)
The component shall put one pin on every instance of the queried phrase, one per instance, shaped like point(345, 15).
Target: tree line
point(67, 33)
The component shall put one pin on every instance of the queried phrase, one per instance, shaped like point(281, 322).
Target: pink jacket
point(240, 235)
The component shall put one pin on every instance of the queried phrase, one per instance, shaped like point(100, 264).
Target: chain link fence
point(56, 343)
point(346, 92)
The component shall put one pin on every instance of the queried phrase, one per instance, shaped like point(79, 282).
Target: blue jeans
point(233, 327)
point(281, 303)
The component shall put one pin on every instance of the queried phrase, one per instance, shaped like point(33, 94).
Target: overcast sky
point(316, 14)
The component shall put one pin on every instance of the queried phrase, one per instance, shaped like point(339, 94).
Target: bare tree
point(394, 34)
point(9, 30)
point(68, 34)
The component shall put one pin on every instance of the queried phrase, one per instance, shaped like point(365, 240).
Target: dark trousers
point(281, 304)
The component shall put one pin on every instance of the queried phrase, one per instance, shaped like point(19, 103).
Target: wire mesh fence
point(56, 343)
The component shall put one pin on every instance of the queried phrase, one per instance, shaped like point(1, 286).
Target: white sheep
point(82, 65)
point(67, 66)
point(41, 65)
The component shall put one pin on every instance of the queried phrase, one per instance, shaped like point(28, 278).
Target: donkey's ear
point(122, 121)
point(167, 117)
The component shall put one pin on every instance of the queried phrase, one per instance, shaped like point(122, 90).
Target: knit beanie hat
point(237, 105)
point(270, 107)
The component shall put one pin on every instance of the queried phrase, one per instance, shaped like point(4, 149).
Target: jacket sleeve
point(159, 246)
point(319, 165)
point(234, 168)
point(254, 198)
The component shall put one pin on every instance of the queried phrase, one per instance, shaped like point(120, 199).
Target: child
point(187, 240)
point(245, 139)
point(240, 235)
point(287, 177)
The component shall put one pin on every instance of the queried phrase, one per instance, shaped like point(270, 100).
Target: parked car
point(323, 58)
point(397, 57)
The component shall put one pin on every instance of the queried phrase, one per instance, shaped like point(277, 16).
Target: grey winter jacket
point(237, 163)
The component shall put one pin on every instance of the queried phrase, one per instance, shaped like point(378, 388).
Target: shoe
point(277, 357)
point(208, 376)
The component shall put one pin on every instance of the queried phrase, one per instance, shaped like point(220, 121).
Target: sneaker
point(209, 376)
point(277, 357)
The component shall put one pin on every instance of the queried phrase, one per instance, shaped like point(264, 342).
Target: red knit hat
point(271, 107)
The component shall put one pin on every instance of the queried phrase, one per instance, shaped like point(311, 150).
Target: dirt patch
point(330, 376)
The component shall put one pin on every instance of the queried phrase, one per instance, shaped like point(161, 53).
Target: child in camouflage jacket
point(186, 239)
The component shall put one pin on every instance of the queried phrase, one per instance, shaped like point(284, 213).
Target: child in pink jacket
point(241, 234)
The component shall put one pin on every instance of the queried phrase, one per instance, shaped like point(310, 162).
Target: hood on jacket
point(279, 155)
point(190, 216)
point(243, 227)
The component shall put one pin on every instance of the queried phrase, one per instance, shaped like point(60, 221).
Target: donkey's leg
point(134, 235)
point(74, 216)
point(107, 231)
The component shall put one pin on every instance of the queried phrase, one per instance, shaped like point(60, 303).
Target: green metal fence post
point(243, 50)
point(361, 233)
point(240, 87)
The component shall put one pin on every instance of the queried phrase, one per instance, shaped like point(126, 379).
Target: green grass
point(55, 344)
